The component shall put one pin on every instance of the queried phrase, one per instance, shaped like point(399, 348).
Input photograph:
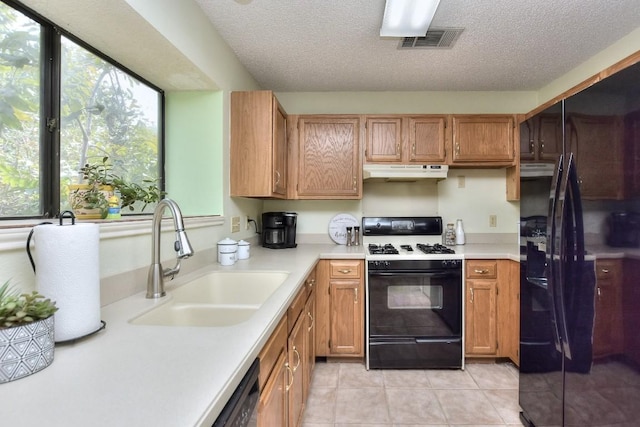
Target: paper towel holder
point(63, 215)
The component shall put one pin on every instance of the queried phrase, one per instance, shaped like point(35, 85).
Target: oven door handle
point(439, 272)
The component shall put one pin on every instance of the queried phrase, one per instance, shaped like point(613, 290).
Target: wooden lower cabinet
point(492, 308)
point(287, 361)
point(630, 312)
point(607, 328)
point(340, 304)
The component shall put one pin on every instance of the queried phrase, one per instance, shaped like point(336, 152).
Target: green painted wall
point(194, 151)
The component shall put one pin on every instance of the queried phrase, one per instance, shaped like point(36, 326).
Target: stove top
point(404, 238)
point(416, 249)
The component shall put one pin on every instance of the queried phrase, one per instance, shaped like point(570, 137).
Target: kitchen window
point(63, 104)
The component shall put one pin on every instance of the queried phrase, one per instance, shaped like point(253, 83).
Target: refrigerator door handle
point(550, 253)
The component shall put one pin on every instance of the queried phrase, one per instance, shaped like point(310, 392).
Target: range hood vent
point(534, 170)
point(404, 173)
point(436, 38)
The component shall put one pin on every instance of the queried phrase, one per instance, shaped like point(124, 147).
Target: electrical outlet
point(461, 182)
point(235, 224)
point(493, 220)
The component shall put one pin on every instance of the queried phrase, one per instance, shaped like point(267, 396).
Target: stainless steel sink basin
point(220, 298)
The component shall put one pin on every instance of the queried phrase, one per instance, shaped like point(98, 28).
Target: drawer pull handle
point(295, 350)
point(605, 270)
point(481, 271)
point(286, 365)
point(312, 321)
point(599, 292)
point(345, 271)
point(471, 295)
point(356, 293)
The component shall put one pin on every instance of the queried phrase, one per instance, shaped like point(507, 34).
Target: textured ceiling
point(334, 45)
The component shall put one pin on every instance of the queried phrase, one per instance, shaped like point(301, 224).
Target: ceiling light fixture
point(407, 18)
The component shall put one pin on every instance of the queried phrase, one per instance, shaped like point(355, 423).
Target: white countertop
point(133, 375)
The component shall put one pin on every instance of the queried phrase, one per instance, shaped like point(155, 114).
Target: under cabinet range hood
point(406, 173)
point(534, 170)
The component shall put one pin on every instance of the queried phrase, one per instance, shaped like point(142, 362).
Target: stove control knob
point(387, 264)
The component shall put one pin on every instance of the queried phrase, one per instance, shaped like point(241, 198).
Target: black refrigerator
point(593, 141)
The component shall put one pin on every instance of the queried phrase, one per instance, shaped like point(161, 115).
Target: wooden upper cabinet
point(384, 139)
point(481, 140)
point(405, 139)
point(258, 149)
point(329, 165)
point(427, 137)
point(541, 138)
point(597, 142)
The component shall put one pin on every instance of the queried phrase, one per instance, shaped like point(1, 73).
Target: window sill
point(13, 233)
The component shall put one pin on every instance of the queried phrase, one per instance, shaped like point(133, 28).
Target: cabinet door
point(296, 347)
point(483, 139)
point(549, 137)
point(258, 149)
point(481, 315)
point(272, 407)
point(427, 139)
point(597, 140)
point(310, 348)
point(279, 149)
point(384, 139)
point(347, 333)
point(607, 328)
point(329, 164)
point(527, 140)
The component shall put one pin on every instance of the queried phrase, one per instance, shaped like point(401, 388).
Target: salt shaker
point(459, 233)
point(349, 236)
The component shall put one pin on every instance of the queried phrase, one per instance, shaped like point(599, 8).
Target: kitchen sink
point(220, 298)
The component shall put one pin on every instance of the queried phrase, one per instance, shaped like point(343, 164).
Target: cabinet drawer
point(296, 308)
point(607, 269)
point(271, 351)
point(482, 269)
point(344, 269)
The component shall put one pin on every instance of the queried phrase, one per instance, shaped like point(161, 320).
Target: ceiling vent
point(436, 38)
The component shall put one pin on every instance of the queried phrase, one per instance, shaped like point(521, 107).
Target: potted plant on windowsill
point(26, 333)
point(90, 200)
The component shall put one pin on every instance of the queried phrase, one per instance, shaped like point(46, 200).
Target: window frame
point(50, 92)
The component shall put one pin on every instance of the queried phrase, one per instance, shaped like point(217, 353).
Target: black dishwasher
point(241, 409)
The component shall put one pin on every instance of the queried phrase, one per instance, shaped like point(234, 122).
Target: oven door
point(415, 319)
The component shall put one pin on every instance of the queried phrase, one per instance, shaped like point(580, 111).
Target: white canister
point(227, 246)
point(227, 258)
point(244, 249)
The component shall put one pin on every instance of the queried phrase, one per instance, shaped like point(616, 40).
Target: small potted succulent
point(26, 333)
point(90, 200)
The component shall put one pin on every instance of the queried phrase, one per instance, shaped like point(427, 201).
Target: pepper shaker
point(356, 236)
point(349, 236)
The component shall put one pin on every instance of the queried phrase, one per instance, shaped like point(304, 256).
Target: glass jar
point(450, 235)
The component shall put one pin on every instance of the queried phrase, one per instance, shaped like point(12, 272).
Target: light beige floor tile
point(492, 376)
point(321, 405)
point(355, 375)
point(406, 378)
point(306, 424)
point(417, 406)
point(450, 379)
point(361, 405)
point(506, 403)
point(325, 374)
point(467, 407)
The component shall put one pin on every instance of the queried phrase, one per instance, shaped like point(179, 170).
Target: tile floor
point(347, 395)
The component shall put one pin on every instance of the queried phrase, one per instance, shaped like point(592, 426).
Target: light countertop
point(133, 375)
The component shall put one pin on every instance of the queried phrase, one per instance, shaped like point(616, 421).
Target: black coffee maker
point(279, 230)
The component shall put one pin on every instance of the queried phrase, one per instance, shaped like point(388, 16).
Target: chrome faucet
point(155, 280)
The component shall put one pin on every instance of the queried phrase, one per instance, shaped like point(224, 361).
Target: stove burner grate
point(435, 249)
point(387, 249)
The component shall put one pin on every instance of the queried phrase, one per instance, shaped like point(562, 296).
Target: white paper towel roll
point(67, 259)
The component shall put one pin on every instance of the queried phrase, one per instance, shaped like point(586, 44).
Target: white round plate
point(338, 227)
